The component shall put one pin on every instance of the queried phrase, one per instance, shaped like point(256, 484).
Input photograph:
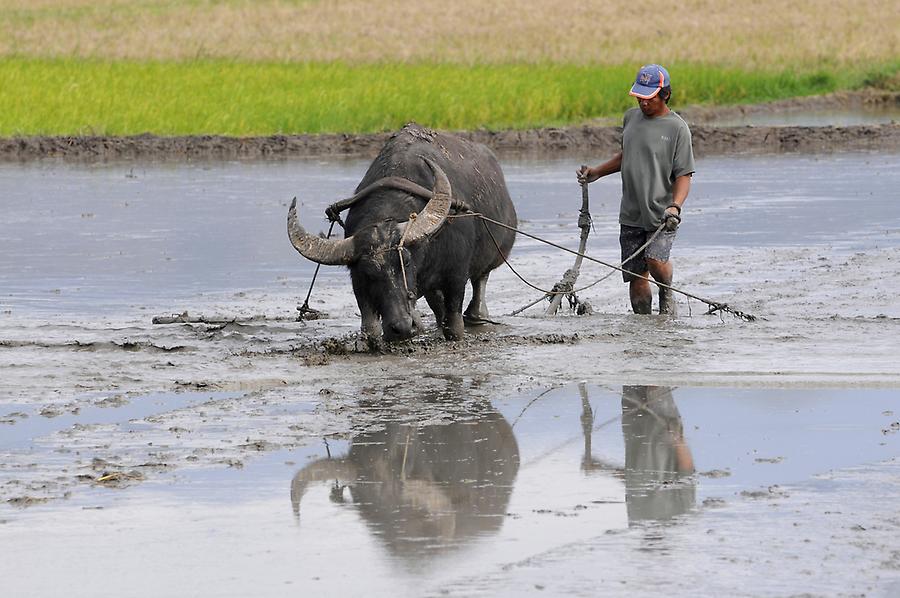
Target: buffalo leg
point(477, 311)
point(435, 300)
point(454, 326)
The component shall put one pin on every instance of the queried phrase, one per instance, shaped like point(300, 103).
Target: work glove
point(672, 218)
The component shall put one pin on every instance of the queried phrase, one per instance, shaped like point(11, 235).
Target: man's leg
point(641, 295)
point(662, 272)
point(630, 240)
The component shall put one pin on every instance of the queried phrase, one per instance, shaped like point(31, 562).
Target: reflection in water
point(422, 488)
point(426, 488)
point(659, 484)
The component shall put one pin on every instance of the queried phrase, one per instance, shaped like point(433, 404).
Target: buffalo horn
point(320, 471)
point(435, 212)
point(331, 252)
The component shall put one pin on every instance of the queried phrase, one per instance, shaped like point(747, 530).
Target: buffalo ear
point(331, 252)
point(434, 214)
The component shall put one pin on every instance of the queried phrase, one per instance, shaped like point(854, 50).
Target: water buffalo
point(423, 487)
point(408, 191)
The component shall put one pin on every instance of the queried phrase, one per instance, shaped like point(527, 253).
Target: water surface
point(765, 452)
point(108, 238)
point(826, 117)
point(497, 501)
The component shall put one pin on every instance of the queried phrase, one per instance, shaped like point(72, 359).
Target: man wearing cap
point(656, 162)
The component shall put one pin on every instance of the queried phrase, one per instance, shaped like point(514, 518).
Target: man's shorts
point(631, 238)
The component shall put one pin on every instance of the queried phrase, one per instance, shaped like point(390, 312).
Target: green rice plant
point(77, 97)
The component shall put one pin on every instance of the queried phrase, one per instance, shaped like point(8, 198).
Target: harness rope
point(551, 291)
point(714, 306)
point(599, 280)
point(305, 310)
point(400, 255)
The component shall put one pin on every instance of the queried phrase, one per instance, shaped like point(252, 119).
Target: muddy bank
point(708, 140)
point(595, 138)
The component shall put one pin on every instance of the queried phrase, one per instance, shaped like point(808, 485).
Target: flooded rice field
point(819, 117)
point(238, 451)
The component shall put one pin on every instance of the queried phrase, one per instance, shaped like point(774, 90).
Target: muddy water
point(824, 117)
point(112, 238)
point(266, 456)
point(573, 490)
point(118, 238)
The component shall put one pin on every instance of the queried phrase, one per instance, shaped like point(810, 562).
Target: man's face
point(654, 106)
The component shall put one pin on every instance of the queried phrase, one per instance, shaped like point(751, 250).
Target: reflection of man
point(657, 459)
point(424, 487)
point(658, 462)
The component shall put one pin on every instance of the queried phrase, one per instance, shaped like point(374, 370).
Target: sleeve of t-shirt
point(684, 154)
point(625, 120)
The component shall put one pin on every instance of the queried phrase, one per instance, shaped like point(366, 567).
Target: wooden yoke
point(567, 284)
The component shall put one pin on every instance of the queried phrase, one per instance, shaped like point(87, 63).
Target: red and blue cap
point(650, 79)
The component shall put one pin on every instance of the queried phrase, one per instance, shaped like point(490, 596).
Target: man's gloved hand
point(672, 217)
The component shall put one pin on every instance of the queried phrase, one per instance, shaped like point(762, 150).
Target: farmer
point(656, 163)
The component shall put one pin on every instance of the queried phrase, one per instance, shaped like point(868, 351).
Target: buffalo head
point(384, 258)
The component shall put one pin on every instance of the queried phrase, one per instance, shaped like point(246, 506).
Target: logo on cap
point(649, 80)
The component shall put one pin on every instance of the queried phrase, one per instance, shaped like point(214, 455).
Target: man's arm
point(589, 175)
point(680, 189)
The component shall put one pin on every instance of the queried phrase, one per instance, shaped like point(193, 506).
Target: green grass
point(67, 97)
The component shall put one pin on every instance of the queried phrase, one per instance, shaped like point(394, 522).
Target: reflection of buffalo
point(658, 463)
point(424, 486)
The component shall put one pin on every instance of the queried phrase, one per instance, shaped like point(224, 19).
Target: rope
point(599, 280)
point(305, 308)
point(403, 269)
point(505, 261)
point(519, 276)
point(412, 218)
point(552, 292)
point(714, 305)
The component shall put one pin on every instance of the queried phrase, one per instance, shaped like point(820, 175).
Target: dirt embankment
point(842, 100)
point(708, 139)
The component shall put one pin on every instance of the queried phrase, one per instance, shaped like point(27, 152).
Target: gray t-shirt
point(655, 151)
